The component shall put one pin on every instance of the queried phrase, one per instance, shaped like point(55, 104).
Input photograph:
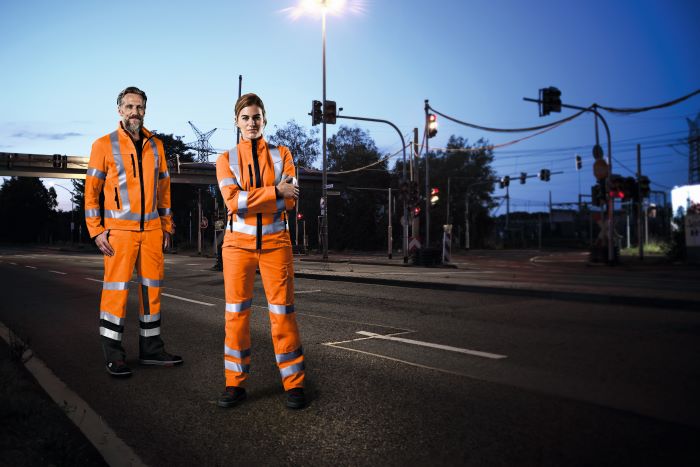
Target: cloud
point(49, 136)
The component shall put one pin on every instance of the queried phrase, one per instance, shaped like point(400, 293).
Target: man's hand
point(102, 242)
point(287, 189)
point(166, 241)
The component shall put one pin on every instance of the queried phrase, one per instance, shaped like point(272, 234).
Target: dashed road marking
point(476, 353)
point(59, 272)
point(186, 299)
point(30, 267)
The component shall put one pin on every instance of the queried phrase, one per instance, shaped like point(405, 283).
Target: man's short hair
point(131, 90)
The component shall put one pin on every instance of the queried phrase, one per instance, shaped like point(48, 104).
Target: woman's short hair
point(247, 100)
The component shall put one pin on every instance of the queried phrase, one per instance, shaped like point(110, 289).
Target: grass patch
point(652, 249)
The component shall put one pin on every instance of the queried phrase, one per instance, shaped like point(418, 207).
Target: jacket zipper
point(116, 198)
point(258, 184)
point(143, 197)
point(133, 166)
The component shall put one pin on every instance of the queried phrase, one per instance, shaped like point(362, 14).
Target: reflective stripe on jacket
point(136, 193)
point(237, 177)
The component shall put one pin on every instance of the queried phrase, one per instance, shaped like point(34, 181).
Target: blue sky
point(64, 63)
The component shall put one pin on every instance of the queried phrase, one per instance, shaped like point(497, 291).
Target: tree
point(183, 197)
point(27, 209)
point(471, 181)
point(303, 146)
point(356, 218)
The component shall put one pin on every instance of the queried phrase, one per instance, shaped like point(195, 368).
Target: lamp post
point(323, 7)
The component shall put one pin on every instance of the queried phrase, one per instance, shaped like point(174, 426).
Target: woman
point(256, 181)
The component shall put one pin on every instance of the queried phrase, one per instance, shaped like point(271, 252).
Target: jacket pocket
point(116, 198)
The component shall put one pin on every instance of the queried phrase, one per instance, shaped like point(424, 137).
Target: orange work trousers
point(145, 251)
point(277, 273)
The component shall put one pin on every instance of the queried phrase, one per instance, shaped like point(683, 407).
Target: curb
point(652, 302)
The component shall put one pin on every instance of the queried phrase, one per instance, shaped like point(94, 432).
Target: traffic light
point(414, 194)
point(434, 196)
point(316, 112)
point(598, 193)
point(432, 125)
point(404, 191)
point(416, 211)
point(579, 162)
point(644, 186)
point(523, 177)
point(616, 188)
point(630, 189)
point(504, 182)
point(329, 112)
point(56, 161)
point(300, 216)
point(550, 100)
point(545, 174)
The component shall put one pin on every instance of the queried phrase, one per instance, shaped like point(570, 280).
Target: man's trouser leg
point(277, 272)
point(239, 276)
point(150, 269)
point(115, 290)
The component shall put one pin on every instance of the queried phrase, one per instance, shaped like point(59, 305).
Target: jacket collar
point(247, 144)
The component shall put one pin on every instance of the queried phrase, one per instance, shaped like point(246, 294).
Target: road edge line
point(110, 446)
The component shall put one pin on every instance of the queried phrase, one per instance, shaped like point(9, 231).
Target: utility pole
point(427, 179)
point(388, 227)
point(199, 221)
point(639, 203)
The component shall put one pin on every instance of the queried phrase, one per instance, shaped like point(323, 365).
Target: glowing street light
point(323, 8)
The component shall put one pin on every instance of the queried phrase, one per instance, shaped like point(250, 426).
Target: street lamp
point(324, 7)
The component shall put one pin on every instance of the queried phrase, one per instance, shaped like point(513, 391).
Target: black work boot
point(296, 398)
point(118, 368)
point(163, 358)
point(231, 396)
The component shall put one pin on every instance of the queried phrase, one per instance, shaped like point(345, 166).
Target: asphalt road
point(396, 375)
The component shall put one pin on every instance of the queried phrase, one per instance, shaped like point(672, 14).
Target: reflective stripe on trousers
point(277, 273)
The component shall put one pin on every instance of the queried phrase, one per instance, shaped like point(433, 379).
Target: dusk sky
point(63, 64)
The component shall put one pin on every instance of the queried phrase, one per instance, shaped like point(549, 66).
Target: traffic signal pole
point(610, 200)
point(403, 177)
point(639, 203)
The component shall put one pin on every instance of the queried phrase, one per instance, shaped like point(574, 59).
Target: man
point(129, 167)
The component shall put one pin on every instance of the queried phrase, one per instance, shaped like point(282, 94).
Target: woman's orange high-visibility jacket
point(137, 192)
point(247, 176)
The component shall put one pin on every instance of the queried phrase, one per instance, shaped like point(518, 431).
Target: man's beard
point(133, 125)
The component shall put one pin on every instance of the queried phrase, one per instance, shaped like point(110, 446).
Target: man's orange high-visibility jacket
point(136, 191)
point(247, 177)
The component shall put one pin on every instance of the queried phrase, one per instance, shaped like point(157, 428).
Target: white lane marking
point(476, 353)
point(356, 322)
point(399, 360)
point(59, 272)
point(306, 291)
point(30, 267)
point(94, 280)
point(93, 426)
point(192, 264)
point(14, 264)
point(186, 299)
point(364, 338)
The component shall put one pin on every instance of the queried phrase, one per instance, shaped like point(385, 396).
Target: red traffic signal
point(300, 216)
point(416, 211)
point(432, 125)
